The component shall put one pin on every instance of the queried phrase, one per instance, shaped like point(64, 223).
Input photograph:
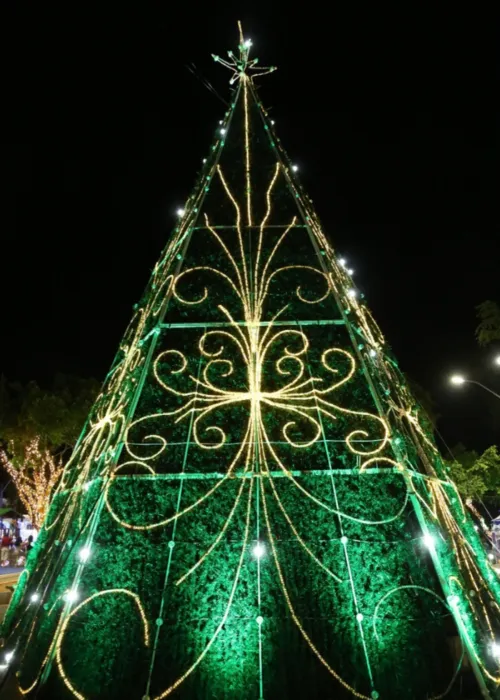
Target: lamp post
point(460, 380)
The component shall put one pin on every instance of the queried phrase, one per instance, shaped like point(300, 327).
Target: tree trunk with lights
point(35, 473)
point(256, 507)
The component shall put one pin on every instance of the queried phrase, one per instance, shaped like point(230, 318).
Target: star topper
point(240, 65)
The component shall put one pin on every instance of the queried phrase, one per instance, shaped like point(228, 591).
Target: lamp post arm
point(472, 381)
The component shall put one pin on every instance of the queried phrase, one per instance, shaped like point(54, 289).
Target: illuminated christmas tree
point(256, 507)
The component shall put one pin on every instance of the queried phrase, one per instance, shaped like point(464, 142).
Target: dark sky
point(390, 116)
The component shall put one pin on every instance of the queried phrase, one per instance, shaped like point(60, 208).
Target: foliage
point(488, 329)
point(55, 416)
point(37, 428)
point(476, 476)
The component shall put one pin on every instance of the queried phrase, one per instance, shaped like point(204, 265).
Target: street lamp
point(459, 380)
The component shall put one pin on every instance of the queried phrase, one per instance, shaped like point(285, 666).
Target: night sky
point(390, 118)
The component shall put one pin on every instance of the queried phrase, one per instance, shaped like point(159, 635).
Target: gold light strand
point(111, 591)
point(185, 510)
point(320, 503)
point(472, 646)
point(292, 610)
point(205, 651)
point(297, 536)
point(243, 261)
point(262, 226)
point(214, 544)
point(441, 600)
point(247, 151)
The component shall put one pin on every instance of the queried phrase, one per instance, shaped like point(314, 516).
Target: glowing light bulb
point(35, 597)
point(180, 212)
point(497, 360)
point(248, 43)
point(457, 379)
point(273, 123)
point(295, 168)
point(351, 293)
point(220, 121)
point(86, 486)
point(494, 648)
point(476, 528)
point(71, 596)
point(222, 131)
point(84, 554)
point(429, 541)
point(359, 617)
point(491, 556)
point(342, 261)
point(259, 550)
point(9, 655)
point(453, 600)
point(373, 353)
point(260, 620)
point(204, 160)
point(350, 272)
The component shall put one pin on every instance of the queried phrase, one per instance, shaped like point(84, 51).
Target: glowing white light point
point(429, 541)
point(223, 131)
point(35, 597)
point(247, 43)
point(295, 168)
point(373, 353)
point(180, 212)
point(84, 554)
point(273, 123)
point(9, 656)
point(351, 293)
point(342, 261)
point(350, 272)
point(457, 379)
point(497, 360)
point(71, 596)
point(359, 617)
point(259, 550)
point(491, 556)
point(495, 650)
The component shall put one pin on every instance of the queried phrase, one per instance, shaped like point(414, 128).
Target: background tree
point(38, 429)
point(477, 476)
point(488, 329)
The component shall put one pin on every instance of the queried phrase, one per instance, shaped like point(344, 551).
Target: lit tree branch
point(35, 471)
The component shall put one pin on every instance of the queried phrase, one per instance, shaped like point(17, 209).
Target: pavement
point(8, 578)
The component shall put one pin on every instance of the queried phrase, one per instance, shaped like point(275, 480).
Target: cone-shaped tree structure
point(256, 507)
